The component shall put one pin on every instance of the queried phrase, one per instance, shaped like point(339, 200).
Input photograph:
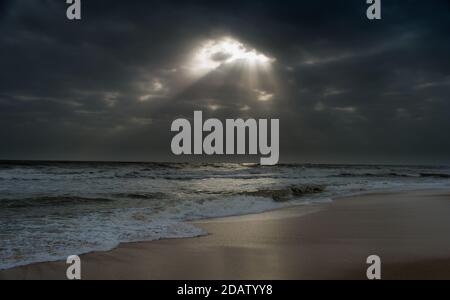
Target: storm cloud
point(346, 89)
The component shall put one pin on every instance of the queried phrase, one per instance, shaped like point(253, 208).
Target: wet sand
point(408, 230)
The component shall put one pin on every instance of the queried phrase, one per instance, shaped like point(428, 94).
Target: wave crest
point(282, 195)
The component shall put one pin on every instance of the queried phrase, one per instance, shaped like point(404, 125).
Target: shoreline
point(287, 209)
point(284, 212)
point(269, 245)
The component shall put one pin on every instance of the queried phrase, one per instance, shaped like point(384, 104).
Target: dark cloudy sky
point(108, 87)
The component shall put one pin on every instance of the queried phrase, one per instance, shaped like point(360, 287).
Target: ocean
point(51, 210)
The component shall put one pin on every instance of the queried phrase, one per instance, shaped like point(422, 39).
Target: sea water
point(49, 211)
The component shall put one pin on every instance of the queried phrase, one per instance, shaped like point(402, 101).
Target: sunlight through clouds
point(214, 53)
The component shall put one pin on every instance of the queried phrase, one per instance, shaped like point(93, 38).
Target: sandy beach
point(408, 230)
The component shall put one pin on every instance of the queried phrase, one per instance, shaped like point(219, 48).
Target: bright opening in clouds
point(215, 53)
